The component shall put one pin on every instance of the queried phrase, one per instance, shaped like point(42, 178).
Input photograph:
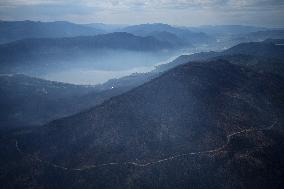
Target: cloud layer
point(179, 12)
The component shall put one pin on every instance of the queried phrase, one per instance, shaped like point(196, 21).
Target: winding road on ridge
point(152, 163)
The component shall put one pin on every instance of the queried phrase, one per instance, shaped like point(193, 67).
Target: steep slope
point(12, 31)
point(268, 54)
point(268, 48)
point(198, 125)
point(27, 101)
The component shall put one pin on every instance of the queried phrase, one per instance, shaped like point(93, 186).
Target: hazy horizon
point(142, 23)
point(265, 13)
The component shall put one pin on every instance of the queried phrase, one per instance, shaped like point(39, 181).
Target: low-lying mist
point(91, 77)
point(96, 68)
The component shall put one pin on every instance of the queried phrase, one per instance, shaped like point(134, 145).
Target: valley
point(140, 106)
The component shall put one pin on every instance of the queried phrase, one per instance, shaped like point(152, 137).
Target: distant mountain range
point(231, 35)
point(119, 40)
point(12, 31)
point(263, 35)
point(45, 53)
point(227, 29)
point(179, 34)
point(17, 30)
point(107, 27)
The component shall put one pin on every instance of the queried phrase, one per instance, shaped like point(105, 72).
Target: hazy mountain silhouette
point(46, 53)
point(17, 30)
point(187, 36)
point(261, 35)
point(107, 27)
point(220, 30)
point(170, 38)
point(231, 35)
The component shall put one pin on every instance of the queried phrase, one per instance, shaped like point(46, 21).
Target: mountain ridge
point(196, 107)
point(17, 30)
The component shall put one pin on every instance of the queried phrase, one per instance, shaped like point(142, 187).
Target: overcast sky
point(176, 12)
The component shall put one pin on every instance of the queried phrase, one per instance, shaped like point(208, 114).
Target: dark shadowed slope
point(257, 55)
point(12, 31)
point(194, 127)
point(26, 101)
point(268, 48)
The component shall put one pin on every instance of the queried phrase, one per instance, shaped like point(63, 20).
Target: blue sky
point(176, 12)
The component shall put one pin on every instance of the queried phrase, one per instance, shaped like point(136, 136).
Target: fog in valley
point(97, 67)
point(154, 94)
point(98, 70)
point(91, 77)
